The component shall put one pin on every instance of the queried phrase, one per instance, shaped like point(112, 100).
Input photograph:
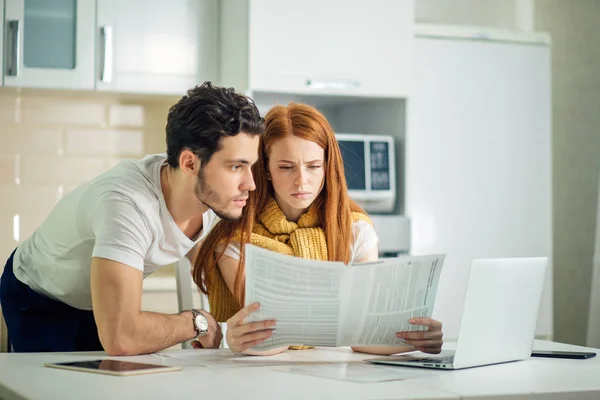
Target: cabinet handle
point(15, 48)
point(332, 84)
point(106, 75)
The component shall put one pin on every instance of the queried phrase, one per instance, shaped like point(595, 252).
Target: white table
point(23, 376)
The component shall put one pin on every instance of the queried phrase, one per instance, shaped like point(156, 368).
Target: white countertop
point(217, 374)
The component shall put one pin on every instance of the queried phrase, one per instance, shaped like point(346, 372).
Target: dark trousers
point(37, 323)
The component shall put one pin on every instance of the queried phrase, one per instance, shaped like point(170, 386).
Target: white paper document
point(324, 303)
point(355, 372)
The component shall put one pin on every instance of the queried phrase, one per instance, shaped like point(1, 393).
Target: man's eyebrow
point(237, 161)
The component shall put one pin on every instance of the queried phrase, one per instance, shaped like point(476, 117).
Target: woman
point(300, 207)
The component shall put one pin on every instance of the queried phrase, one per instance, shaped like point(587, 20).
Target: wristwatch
point(200, 322)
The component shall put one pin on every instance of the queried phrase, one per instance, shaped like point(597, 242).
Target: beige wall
point(574, 26)
point(498, 13)
point(50, 142)
point(3, 334)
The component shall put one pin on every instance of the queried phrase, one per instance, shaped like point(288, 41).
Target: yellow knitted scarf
point(272, 231)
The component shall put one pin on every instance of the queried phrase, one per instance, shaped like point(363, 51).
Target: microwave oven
point(369, 166)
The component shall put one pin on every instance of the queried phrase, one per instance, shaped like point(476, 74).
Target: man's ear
point(189, 162)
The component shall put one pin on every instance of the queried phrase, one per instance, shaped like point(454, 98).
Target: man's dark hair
point(206, 114)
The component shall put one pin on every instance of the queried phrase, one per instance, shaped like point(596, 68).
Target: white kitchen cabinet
point(156, 46)
point(49, 43)
point(337, 47)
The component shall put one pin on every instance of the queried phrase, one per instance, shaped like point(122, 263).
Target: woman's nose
point(300, 178)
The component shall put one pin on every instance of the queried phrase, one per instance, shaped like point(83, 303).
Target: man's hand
point(123, 328)
point(214, 337)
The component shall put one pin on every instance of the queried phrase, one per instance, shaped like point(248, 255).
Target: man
point(76, 283)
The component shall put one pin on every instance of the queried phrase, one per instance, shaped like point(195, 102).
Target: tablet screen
point(111, 365)
point(115, 367)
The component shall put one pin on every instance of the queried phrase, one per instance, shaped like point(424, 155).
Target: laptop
point(499, 316)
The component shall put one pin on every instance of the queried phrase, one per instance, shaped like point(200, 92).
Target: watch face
point(201, 323)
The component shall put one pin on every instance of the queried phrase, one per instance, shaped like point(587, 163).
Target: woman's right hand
point(241, 336)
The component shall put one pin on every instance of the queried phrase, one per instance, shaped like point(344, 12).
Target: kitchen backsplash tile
point(17, 139)
point(71, 170)
point(51, 142)
point(20, 199)
point(62, 112)
point(7, 241)
point(8, 108)
point(105, 142)
point(126, 115)
point(9, 169)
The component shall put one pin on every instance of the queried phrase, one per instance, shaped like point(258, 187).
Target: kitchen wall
point(497, 13)
point(50, 142)
point(573, 26)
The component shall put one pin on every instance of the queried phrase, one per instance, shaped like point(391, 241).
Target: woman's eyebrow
point(308, 162)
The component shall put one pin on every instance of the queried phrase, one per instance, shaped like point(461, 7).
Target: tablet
point(113, 367)
point(576, 355)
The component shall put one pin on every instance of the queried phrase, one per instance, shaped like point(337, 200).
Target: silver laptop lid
point(500, 312)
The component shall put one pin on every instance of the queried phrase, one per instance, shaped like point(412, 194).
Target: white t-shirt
point(364, 239)
point(120, 215)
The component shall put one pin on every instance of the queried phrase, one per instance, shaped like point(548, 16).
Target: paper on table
point(323, 303)
point(221, 359)
point(356, 372)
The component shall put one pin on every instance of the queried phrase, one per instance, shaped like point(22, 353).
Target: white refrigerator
point(478, 156)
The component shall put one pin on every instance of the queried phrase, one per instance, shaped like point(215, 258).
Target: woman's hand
point(429, 341)
point(241, 336)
